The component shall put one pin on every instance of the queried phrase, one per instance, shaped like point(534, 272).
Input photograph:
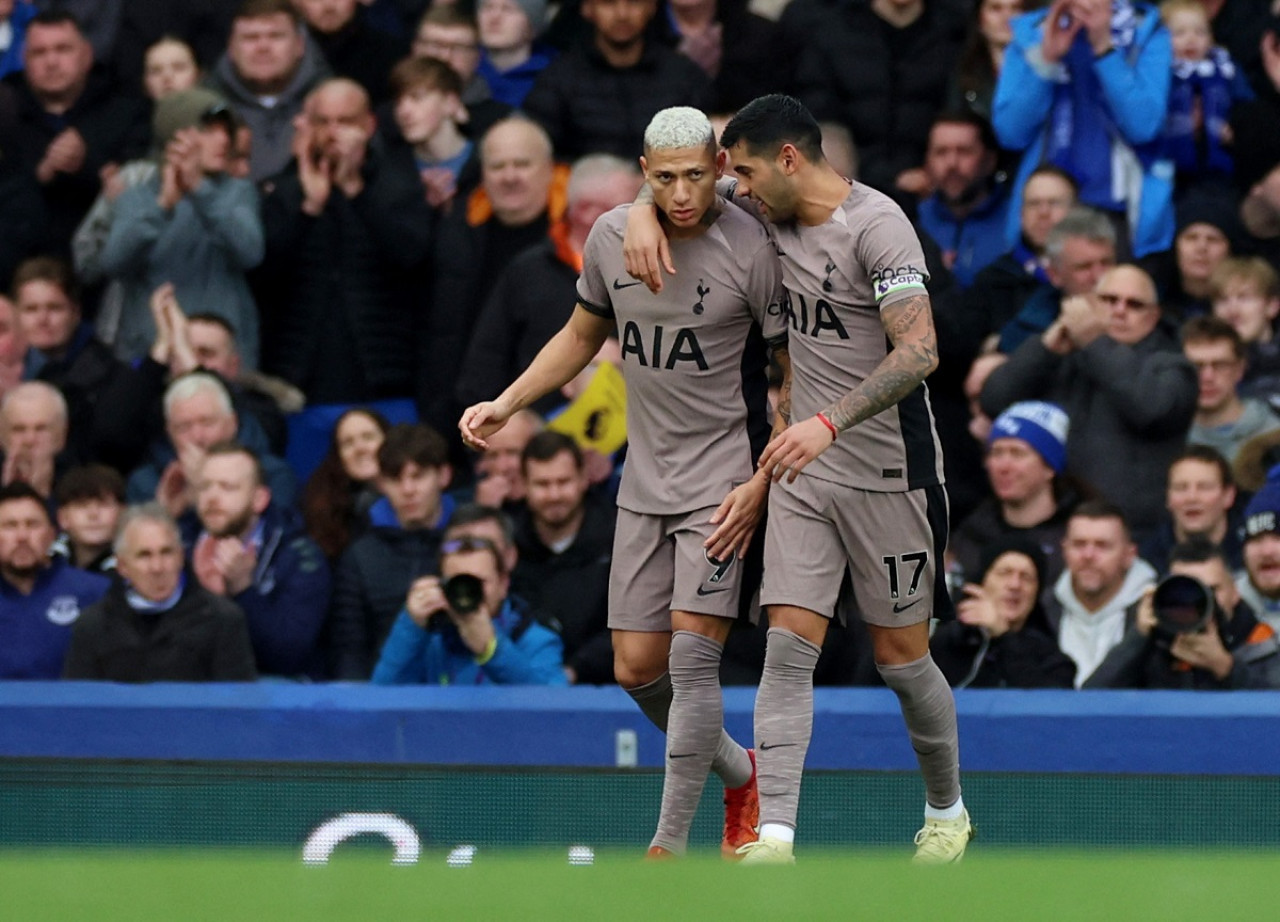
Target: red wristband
point(822, 418)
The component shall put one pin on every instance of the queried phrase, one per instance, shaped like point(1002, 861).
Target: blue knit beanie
point(1041, 425)
point(1262, 515)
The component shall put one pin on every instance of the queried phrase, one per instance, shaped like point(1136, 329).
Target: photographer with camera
point(462, 628)
point(1192, 631)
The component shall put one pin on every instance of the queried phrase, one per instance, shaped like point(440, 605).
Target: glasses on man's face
point(468, 544)
point(1130, 304)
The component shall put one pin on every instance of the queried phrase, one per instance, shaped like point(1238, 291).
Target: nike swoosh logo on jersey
point(618, 287)
point(680, 755)
point(702, 591)
point(899, 609)
point(768, 746)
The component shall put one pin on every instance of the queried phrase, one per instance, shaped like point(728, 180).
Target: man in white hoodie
point(1103, 577)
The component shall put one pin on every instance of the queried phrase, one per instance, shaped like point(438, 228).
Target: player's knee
point(632, 672)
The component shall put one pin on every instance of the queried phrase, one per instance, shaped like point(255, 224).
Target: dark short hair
point(89, 481)
point(1207, 455)
point(768, 122)
point(1197, 549)
point(216, 320)
point(546, 445)
point(260, 9)
point(428, 73)
point(232, 447)
point(49, 269)
point(986, 134)
point(471, 513)
point(57, 17)
point(1210, 329)
point(19, 490)
point(1101, 509)
point(415, 443)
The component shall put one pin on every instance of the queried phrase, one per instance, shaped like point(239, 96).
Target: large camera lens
point(1183, 604)
point(463, 592)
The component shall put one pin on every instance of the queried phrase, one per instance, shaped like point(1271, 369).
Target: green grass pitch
point(361, 884)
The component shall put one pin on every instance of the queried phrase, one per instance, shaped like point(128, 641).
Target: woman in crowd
point(344, 486)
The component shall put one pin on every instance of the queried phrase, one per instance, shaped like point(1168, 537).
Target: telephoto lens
point(463, 592)
point(1183, 605)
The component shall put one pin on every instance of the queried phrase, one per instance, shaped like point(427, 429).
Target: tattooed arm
point(914, 354)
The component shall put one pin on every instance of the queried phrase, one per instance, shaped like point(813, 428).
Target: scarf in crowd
point(1195, 145)
point(1081, 125)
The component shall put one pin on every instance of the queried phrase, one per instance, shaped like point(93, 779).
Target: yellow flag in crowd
point(597, 418)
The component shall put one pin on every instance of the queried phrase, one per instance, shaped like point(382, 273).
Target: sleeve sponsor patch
point(889, 280)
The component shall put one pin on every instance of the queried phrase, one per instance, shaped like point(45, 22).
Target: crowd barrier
point(269, 764)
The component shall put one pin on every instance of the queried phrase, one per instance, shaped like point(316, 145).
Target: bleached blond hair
point(679, 127)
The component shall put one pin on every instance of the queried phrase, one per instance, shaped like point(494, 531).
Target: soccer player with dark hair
point(690, 498)
point(869, 501)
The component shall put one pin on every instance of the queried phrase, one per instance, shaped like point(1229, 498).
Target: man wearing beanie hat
point(511, 58)
point(1120, 375)
point(1026, 458)
point(1259, 585)
point(1001, 637)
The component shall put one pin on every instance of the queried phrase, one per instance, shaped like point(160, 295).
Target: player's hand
point(737, 518)
point(481, 420)
point(646, 251)
point(794, 447)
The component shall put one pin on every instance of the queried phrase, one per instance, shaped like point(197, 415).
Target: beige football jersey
point(838, 276)
point(682, 356)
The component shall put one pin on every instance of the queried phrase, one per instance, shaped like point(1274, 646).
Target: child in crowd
point(429, 113)
point(1206, 83)
point(89, 500)
point(1246, 294)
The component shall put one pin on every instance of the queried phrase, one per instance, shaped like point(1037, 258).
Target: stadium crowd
point(257, 255)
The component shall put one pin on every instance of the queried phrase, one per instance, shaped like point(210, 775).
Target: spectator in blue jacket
point(14, 16)
point(1085, 86)
point(255, 553)
point(461, 627)
point(968, 211)
point(40, 596)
